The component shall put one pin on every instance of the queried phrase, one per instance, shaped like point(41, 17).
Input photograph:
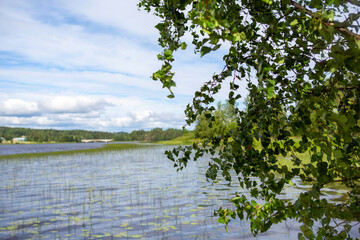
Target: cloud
point(140, 116)
point(86, 64)
point(121, 15)
point(146, 120)
point(18, 107)
point(102, 113)
point(66, 104)
point(56, 105)
point(69, 44)
point(34, 121)
point(131, 121)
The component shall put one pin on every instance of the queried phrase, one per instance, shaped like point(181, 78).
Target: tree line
point(52, 135)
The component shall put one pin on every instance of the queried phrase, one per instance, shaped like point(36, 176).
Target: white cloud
point(140, 116)
point(86, 64)
point(35, 121)
point(55, 105)
point(18, 107)
point(66, 104)
point(106, 113)
point(146, 119)
point(121, 15)
point(70, 46)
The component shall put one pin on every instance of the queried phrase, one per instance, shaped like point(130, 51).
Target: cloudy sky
point(86, 64)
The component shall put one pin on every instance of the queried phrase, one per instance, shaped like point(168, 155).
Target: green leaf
point(316, 4)
point(183, 46)
point(358, 43)
point(239, 36)
point(294, 22)
point(270, 92)
point(338, 154)
point(204, 50)
point(160, 26)
point(339, 118)
point(168, 54)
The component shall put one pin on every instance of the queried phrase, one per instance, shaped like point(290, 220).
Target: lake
point(127, 194)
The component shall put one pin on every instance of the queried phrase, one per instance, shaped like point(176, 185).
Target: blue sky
point(86, 64)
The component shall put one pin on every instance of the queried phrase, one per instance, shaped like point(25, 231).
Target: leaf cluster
point(300, 60)
point(217, 123)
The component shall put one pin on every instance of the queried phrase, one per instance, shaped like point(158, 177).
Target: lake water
point(128, 194)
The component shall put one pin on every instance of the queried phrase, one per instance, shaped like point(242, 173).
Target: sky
point(86, 64)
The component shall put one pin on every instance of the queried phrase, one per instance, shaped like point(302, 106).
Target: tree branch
point(339, 28)
point(347, 179)
point(347, 23)
point(354, 2)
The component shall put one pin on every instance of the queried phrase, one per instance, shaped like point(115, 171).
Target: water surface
point(124, 194)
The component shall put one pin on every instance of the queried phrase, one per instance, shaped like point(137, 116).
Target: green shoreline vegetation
point(66, 136)
point(187, 138)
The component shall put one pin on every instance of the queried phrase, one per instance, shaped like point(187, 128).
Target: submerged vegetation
point(134, 193)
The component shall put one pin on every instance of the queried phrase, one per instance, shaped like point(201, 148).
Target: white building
point(19, 139)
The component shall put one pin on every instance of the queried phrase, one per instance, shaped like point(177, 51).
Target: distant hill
point(51, 135)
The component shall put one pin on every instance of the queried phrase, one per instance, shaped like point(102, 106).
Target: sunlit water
point(125, 194)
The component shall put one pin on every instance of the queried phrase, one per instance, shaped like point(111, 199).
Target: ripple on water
point(126, 194)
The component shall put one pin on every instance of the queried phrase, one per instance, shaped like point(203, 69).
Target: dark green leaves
point(300, 62)
point(204, 50)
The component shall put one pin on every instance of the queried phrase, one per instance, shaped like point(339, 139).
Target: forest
point(52, 135)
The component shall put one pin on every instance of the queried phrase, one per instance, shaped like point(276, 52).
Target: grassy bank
point(186, 139)
point(106, 147)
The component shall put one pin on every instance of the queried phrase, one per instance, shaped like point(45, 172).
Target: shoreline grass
point(105, 147)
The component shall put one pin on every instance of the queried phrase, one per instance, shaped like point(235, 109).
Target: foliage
point(298, 57)
point(156, 134)
point(223, 121)
point(51, 135)
point(188, 138)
